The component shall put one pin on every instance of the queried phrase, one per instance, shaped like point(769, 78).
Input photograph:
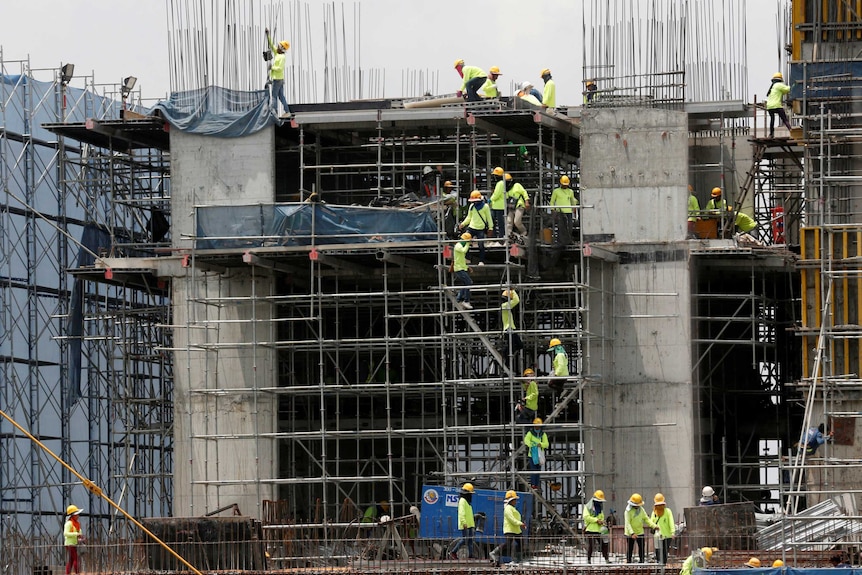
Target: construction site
point(235, 339)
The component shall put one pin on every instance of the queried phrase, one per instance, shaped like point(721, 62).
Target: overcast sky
point(112, 39)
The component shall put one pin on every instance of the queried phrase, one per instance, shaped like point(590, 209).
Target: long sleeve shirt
point(776, 93)
point(489, 88)
point(479, 218)
point(518, 195)
point(665, 523)
point(511, 520)
point(693, 207)
point(531, 397)
point(636, 518)
point(506, 310)
point(540, 439)
point(549, 94)
point(70, 534)
point(276, 71)
point(561, 362)
point(459, 260)
point(465, 514)
point(471, 72)
point(563, 200)
point(498, 198)
point(591, 518)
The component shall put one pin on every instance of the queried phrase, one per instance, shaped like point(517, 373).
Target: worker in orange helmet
point(276, 73)
point(474, 78)
point(478, 221)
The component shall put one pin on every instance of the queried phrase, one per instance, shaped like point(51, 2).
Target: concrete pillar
point(218, 366)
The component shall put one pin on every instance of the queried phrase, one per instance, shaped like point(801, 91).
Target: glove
point(460, 94)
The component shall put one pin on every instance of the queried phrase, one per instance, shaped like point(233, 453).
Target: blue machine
point(440, 513)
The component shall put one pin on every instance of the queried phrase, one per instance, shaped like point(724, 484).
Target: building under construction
point(256, 315)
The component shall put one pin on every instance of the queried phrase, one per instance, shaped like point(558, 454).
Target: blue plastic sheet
point(439, 518)
point(299, 224)
point(218, 112)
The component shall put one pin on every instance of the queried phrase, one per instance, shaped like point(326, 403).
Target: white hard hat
point(526, 85)
point(708, 491)
point(426, 170)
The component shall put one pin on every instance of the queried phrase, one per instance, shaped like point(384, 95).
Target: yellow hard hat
point(690, 188)
point(495, 70)
point(545, 72)
point(468, 487)
point(475, 196)
point(707, 552)
point(498, 171)
point(72, 510)
point(510, 495)
point(658, 499)
point(459, 62)
point(777, 563)
point(529, 371)
point(554, 343)
point(636, 499)
point(753, 562)
point(448, 184)
point(715, 192)
point(284, 44)
point(508, 177)
point(778, 76)
point(537, 421)
point(467, 236)
point(599, 495)
point(506, 293)
point(564, 180)
point(590, 82)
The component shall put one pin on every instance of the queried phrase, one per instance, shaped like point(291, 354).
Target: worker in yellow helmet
point(276, 72)
point(636, 518)
point(513, 525)
point(473, 79)
point(517, 202)
point(590, 89)
point(72, 536)
point(549, 93)
point(594, 525)
point(511, 340)
point(536, 442)
point(699, 558)
point(563, 206)
point(662, 516)
point(459, 266)
point(489, 88)
point(498, 203)
point(774, 104)
point(466, 522)
point(560, 365)
point(529, 403)
point(753, 563)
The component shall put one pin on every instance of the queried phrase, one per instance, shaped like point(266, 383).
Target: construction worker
point(466, 521)
point(716, 206)
point(549, 93)
point(590, 91)
point(814, 438)
point(450, 208)
point(473, 79)
point(536, 442)
point(563, 204)
point(429, 182)
point(517, 201)
point(753, 563)
point(489, 88)
point(699, 558)
point(693, 210)
point(512, 528)
point(72, 535)
point(374, 511)
point(459, 266)
point(662, 516)
point(478, 221)
point(528, 93)
point(529, 403)
point(775, 104)
point(560, 364)
point(708, 496)
point(498, 202)
point(745, 224)
point(510, 336)
point(276, 73)
point(636, 518)
point(777, 564)
point(594, 525)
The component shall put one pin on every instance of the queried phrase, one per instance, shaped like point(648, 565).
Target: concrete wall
point(206, 171)
point(212, 340)
point(635, 176)
point(634, 173)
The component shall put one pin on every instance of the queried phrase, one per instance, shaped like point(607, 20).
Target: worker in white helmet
point(529, 94)
point(708, 496)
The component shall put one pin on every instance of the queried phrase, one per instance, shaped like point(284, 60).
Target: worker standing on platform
point(529, 403)
point(466, 522)
point(72, 535)
point(699, 558)
point(563, 205)
point(512, 527)
point(462, 274)
point(536, 442)
point(560, 364)
point(716, 206)
point(478, 221)
point(636, 518)
point(489, 88)
point(594, 525)
point(517, 201)
point(276, 73)
point(590, 91)
point(662, 516)
point(510, 302)
point(693, 210)
point(474, 78)
point(775, 104)
point(549, 93)
point(498, 201)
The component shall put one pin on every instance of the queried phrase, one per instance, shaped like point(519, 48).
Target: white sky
point(111, 39)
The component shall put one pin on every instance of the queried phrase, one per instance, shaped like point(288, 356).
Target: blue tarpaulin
point(218, 112)
point(297, 224)
point(439, 518)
